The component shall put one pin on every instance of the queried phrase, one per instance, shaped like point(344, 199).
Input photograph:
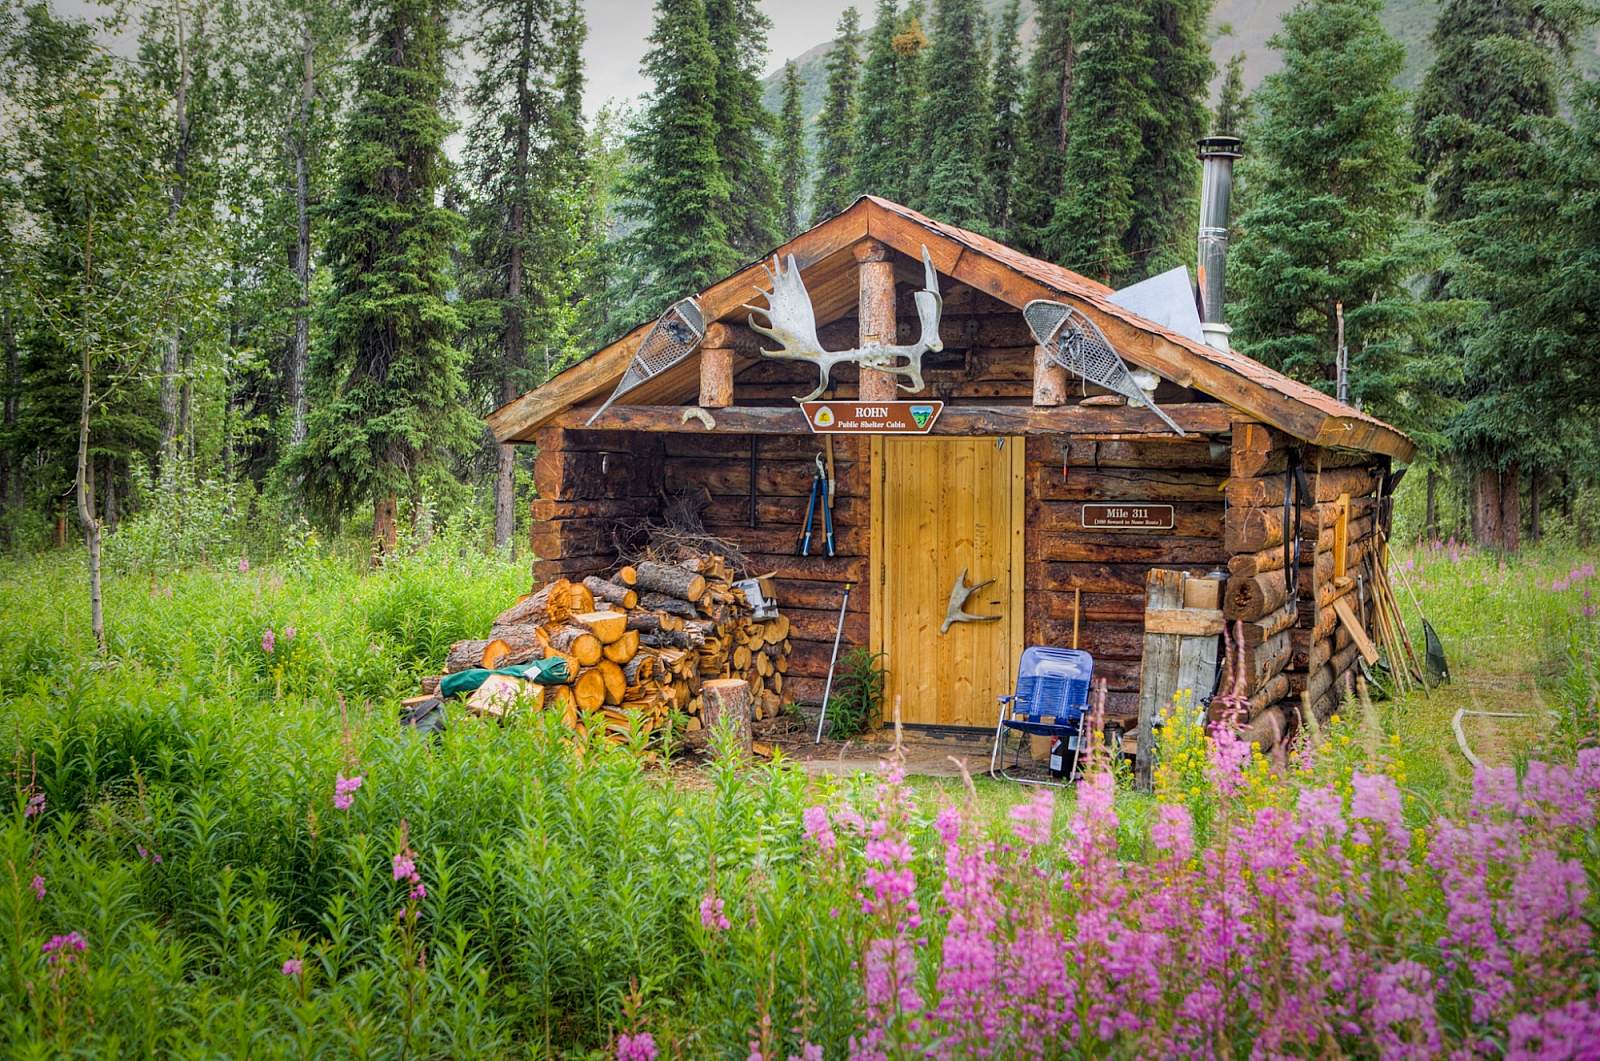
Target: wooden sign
point(1127, 515)
point(871, 418)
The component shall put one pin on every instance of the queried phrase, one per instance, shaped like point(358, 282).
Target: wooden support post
point(877, 316)
point(716, 367)
point(1049, 379)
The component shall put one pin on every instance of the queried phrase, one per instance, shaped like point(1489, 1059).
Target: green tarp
point(552, 671)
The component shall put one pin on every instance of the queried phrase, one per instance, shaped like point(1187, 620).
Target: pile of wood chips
point(640, 644)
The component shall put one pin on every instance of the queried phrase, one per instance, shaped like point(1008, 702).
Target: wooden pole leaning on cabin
point(716, 367)
point(876, 315)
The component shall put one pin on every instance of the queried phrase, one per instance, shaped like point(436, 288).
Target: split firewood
point(577, 642)
point(548, 604)
point(607, 626)
point(662, 602)
point(465, 655)
point(523, 643)
point(611, 592)
point(616, 685)
point(623, 648)
point(579, 599)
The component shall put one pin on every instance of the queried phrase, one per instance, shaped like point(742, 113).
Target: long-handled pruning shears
point(818, 499)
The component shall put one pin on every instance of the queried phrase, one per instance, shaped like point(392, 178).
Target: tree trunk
point(876, 314)
point(1511, 509)
point(1535, 514)
point(10, 470)
point(300, 258)
point(85, 483)
point(1430, 518)
point(109, 506)
point(385, 525)
point(505, 487)
point(171, 354)
point(1486, 509)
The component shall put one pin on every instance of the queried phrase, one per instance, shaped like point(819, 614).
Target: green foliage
point(879, 152)
point(836, 125)
point(738, 38)
point(856, 702)
point(1166, 173)
point(679, 193)
point(1332, 189)
point(1232, 115)
point(1005, 88)
point(1046, 105)
point(791, 152)
point(1113, 101)
point(955, 114)
point(390, 408)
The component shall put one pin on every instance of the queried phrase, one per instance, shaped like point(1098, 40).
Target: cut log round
point(628, 575)
point(577, 642)
point(727, 703)
point(639, 669)
point(775, 630)
point(616, 685)
point(672, 580)
point(548, 604)
point(623, 648)
point(559, 698)
point(523, 643)
point(611, 592)
point(607, 626)
point(1255, 596)
point(579, 599)
point(589, 690)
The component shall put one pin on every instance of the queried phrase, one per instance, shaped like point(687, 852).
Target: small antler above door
point(960, 593)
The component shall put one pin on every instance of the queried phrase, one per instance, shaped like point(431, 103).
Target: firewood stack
point(643, 640)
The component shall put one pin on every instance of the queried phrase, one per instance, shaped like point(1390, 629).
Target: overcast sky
point(618, 28)
point(617, 32)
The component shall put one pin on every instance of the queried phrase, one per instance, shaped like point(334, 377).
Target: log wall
point(1109, 566)
point(1296, 645)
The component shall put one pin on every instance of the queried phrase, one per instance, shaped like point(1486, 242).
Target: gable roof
point(823, 254)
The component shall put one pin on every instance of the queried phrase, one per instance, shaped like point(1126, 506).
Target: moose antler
point(792, 323)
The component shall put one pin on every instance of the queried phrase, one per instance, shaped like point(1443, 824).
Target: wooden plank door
point(941, 506)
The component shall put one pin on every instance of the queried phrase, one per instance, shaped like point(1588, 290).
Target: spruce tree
point(1005, 88)
point(1112, 90)
point(1332, 188)
point(836, 125)
point(1483, 131)
point(527, 219)
point(877, 153)
point(1042, 134)
point(738, 38)
point(391, 412)
point(959, 186)
point(1233, 103)
point(910, 135)
point(678, 193)
point(791, 152)
point(1166, 173)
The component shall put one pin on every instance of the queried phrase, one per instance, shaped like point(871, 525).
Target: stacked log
point(639, 645)
point(1293, 643)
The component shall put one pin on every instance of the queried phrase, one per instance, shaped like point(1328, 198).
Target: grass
point(563, 888)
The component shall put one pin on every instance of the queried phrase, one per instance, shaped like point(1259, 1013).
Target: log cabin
point(1057, 499)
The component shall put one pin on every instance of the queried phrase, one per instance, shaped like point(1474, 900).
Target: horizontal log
point(1203, 418)
point(1261, 662)
point(1255, 596)
point(774, 478)
point(1259, 630)
point(1146, 549)
point(1172, 453)
point(547, 508)
point(1190, 519)
point(1126, 484)
point(1266, 491)
point(1127, 606)
point(1267, 728)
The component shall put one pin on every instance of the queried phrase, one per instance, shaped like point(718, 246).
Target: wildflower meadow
point(220, 842)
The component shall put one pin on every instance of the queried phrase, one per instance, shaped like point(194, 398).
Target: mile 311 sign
point(871, 418)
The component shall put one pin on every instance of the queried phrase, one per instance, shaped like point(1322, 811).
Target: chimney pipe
point(1216, 189)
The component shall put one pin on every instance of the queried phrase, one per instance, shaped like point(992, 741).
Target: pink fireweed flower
point(1571, 1031)
point(288, 633)
point(711, 915)
point(293, 967)
point(63, 947)
point(244, 565)
point(1173, 831)
point(405, 867)
point(1376, 798)
point(147, 855)
point(1404, 1012)
point(639, 1047)
point(1031, 820)
point(818, 829)
point(808, 1052)
point(419, 890)
point(37, 884)
point(344, 791)
point(269, 640)
point(35, 805)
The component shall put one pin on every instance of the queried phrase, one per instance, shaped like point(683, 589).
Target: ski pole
point(827, 688)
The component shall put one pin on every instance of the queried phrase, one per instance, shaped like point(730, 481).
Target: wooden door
point(941, 506)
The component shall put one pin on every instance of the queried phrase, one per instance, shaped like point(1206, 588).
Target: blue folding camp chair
point(1051, 700)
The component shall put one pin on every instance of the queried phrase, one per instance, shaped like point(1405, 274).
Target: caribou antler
point(792, 323)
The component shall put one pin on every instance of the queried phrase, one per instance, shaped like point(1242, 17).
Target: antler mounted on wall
point(792, 323)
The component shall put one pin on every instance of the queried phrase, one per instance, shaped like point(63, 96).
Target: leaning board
point(1180, 652)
